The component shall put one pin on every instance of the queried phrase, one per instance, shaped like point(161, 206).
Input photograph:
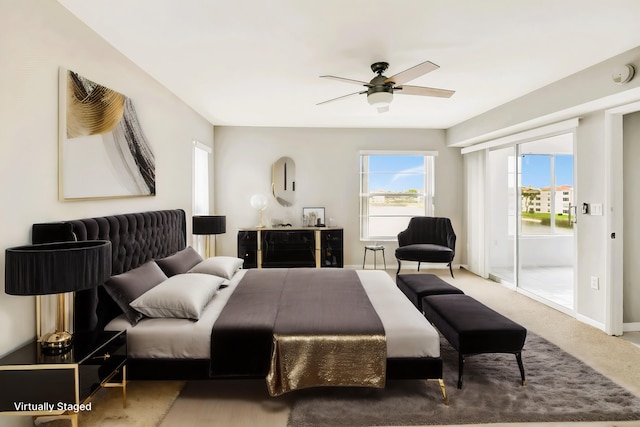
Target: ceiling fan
point(381, 88)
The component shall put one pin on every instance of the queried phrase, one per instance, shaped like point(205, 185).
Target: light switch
point(595, 209)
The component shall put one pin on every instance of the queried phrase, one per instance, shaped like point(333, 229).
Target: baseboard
point(631, 327)
point(590, 322)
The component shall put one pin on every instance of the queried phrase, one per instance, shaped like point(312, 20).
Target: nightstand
point(38, 384)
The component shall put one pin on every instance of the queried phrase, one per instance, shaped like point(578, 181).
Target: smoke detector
point(623, 75)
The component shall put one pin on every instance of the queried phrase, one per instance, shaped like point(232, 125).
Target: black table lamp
point(56, 268)
point(207, 225)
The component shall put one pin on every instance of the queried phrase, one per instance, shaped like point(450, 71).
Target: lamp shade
point(53, 268)
point(380, 99)
point(259, 201)
point(207, 224)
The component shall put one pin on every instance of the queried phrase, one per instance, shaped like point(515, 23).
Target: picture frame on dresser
point(313, 217)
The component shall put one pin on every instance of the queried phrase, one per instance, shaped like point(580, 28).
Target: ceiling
point(257, 63)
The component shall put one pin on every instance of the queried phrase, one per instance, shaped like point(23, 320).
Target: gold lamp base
point(56, 342)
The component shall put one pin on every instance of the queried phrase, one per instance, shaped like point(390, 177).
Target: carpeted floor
point(559, 388)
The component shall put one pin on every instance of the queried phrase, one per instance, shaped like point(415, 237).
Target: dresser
point(282, 247)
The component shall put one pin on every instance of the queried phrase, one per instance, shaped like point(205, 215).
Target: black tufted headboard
point(135, 239)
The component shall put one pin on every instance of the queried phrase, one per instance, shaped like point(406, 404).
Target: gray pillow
point(182, 296)
point(222, 266)
point(180, 262)
point(128, 286)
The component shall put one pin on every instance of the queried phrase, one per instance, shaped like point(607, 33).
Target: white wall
point(327, 174)
point(38, 38)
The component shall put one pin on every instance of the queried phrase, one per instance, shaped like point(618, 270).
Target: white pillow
point(223, 266)
point(181, 296)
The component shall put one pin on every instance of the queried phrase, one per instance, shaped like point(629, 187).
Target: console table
point(291, 247)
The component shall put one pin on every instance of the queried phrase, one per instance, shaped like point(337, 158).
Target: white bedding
point(408, 333)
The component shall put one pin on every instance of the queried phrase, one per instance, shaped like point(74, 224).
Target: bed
point(170, 347)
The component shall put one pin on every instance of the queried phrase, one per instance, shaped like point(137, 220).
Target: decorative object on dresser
point(103, 151)
point(57, 268)
point(313, 217)
point(209, 225)
point(291, 247)
point(259, 202)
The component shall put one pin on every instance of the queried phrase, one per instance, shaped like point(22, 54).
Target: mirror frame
point(284, 172)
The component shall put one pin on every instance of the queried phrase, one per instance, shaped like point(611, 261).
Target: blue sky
point(536, 170)
point(384, 173)
point(400, 173)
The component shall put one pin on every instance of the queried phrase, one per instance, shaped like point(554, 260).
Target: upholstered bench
point(418, 286)
point(473, 328)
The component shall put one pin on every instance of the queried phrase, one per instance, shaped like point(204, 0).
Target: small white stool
point(375, 249)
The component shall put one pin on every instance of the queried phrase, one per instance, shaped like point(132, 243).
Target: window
point(200, 178)
point(200, 194)
point(394, 186)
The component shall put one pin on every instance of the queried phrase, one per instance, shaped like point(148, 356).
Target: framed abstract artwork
point(103, 152)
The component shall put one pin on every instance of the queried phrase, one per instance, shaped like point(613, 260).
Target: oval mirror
point(283, 181)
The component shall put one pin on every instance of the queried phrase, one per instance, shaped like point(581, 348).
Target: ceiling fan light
point(380, 99)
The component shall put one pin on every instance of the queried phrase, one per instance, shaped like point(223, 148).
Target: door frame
point(614, 143)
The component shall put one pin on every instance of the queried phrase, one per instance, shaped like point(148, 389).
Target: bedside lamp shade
point(53, 268)
point(207, 224)
point(57, 268)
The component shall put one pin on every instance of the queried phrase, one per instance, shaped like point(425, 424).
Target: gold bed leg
point(442, 389)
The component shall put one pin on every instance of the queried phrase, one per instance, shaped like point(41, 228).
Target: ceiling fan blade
point(424, 91)
point(412, 73)
point(342, 79)
point(341, 97)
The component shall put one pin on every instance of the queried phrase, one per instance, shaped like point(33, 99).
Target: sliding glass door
point(547, 214)
point(532, 218)
point(503, 214)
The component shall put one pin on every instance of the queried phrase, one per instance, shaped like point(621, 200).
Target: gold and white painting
point(103, 150)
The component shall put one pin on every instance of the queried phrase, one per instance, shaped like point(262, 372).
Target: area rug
point(559, 388)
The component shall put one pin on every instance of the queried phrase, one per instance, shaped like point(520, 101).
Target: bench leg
point(519, 359)
point(460, 369)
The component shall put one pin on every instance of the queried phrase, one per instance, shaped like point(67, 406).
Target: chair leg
point(365, 258)
point(418, 265)
point(451, 270)
point(399, 264)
